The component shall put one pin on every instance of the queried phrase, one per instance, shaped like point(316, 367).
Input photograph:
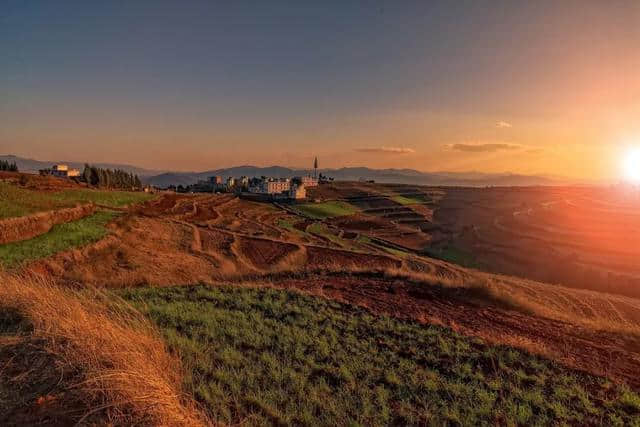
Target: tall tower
point(315, 168)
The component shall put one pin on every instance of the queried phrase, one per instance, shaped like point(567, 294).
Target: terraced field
point(376, 265)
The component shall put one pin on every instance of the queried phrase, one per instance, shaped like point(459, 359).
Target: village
point(262, 188)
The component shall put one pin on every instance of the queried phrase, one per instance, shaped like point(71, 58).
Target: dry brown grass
point(119, 365)
point(593, 310)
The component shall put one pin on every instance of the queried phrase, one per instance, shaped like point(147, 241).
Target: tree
point(95, 179)
point(6, 166)
point(86, 173)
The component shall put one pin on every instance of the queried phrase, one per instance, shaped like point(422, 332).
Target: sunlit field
point(261, 356)
point(16, 201)
point(62, 237)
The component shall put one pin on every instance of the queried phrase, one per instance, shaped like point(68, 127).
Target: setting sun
point(632, 165)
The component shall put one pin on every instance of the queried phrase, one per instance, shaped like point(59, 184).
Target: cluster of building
point(283, 188)
point(263, 187)
point(217, 184)
point(61, 171)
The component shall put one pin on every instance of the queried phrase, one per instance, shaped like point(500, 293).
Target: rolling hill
point(398, 176)
point(160, 178)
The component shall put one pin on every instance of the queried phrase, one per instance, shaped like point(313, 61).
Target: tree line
point(6, 166)
point(110, 178)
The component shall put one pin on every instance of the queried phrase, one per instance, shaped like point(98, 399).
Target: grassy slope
point(326, 209)
point(16, 201)
point(268, 356)
point(413, 200)
point(289, 226)
point(321, 229)
point(61, 237)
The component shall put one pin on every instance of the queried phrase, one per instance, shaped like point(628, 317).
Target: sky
point(534, 87)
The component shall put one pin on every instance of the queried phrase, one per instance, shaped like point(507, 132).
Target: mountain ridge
point(398, 176)
point(164, 178)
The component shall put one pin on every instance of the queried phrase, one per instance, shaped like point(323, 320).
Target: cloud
point(392, 150)
point(502, 124)
point(485, 148)
point(535, 151)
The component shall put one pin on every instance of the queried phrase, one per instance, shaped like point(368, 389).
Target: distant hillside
point(31, 165)
point(399, 176)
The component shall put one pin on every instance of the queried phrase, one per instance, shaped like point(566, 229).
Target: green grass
point(265, 356)
point(16, 201)
point(289, 226)
point(362, 239)
point(322, 230)
point(411, 200)
point(394, 251)
point(60, 238)
point(326, 209)
point(456, 256)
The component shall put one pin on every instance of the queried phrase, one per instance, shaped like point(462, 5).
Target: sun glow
point(632, 165)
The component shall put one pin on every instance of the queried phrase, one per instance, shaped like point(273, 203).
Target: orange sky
point(544, 88)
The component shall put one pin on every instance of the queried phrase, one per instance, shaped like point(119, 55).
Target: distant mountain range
point(160, 178)
point(398, 176)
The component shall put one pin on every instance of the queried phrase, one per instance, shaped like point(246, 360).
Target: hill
point(211, 309)
point(31, 165)
point(162, 179)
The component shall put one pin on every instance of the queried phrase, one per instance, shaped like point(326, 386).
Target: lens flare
point(632, 165)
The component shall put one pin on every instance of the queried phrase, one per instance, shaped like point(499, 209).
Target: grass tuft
point(115, 368)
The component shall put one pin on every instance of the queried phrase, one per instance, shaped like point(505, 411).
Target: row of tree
point(6, 166)
point(110, 178)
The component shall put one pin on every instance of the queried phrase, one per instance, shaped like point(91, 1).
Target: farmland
point(326, 210)
point(61, 237)
point(16, 201)
point(518, 231)
point(263, 356)
point(255, 296)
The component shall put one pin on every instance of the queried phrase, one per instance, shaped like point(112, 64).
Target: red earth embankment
point(30, 226)
point(264, 254)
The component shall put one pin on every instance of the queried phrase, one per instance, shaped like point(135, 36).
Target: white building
point(308, 181)
point(276, 186)
point(271, 186)
point(60, 170)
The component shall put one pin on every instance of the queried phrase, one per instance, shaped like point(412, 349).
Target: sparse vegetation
point(326, 209)
point(16, 201)
point(394, 251)
point(289, 226)
point(320, 229)
point(275, 357)
point(61, 237)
